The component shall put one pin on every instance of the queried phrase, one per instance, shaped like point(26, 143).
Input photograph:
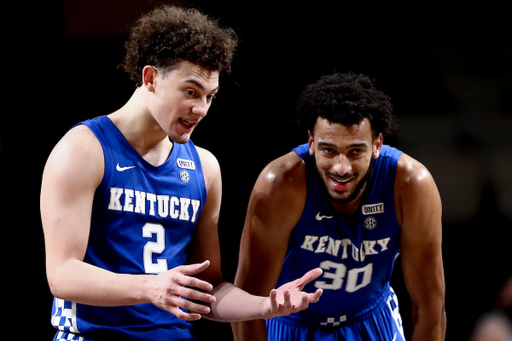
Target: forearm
point(250, 330)
point(233, 304)
point(428, 324)
point(83, 283)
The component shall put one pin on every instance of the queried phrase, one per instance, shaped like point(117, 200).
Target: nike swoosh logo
point(122, 169)
point(320, 217)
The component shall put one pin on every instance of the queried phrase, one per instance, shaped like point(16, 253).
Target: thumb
point(308, 277)
point(193, 269)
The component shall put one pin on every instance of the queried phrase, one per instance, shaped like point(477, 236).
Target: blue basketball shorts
point(67, 336)
point(381, 321)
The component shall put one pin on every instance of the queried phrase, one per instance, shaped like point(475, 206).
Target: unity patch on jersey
point(373, 209)
point(187, 164)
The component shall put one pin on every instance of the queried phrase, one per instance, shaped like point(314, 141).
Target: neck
point(350, 207)
point(141, 130)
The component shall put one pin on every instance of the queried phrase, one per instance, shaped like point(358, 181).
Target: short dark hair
point(347, 99)
point(168, 35)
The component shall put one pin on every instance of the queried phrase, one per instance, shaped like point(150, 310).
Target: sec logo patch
point(370, 223)
point(184, 176)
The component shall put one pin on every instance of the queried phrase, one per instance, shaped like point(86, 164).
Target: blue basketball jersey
point(356, 252)
point(143, 222)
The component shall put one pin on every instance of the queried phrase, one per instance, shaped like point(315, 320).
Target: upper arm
point(72, 173)
point(206, 237)
point(275, 206)
point(419, 216)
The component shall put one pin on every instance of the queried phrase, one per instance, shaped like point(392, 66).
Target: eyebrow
point(325, 144)
point(199, 85)
point(332, 145)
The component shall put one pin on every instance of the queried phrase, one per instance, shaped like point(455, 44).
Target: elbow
point(439, 323)
point(438, 318)
point(53, 285)
point(56, 283)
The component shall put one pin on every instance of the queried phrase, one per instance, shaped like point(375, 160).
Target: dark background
point(447, 69)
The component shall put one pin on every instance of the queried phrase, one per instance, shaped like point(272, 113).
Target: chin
point(180, 139)
point(341, 199)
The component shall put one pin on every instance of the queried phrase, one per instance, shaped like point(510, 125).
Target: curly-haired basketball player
point(349, 204)
point(130, 206)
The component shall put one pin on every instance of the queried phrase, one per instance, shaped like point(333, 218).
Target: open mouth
point(341, 185)
point(187, 123)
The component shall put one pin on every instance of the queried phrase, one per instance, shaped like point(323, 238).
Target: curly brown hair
point(169, 34)
point(347, 99)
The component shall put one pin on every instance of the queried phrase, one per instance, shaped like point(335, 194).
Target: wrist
point(264, 308)
point(142, 288)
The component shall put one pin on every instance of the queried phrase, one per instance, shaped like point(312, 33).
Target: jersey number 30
point(356, 278)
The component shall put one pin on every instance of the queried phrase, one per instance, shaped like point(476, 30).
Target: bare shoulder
point(410, 172)
point(208, 160)
point(81, 140)
point(72, 174)
point(289, 168)
point(281, 187)
point(77, 155)
point(415, 189)
point(287, 172)
point(211, 167)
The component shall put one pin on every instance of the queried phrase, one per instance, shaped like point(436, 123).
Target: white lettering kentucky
point(326, 244)
point(161, 205)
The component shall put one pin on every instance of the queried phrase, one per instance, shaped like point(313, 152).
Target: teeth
point(342, 181)
point(187, 122)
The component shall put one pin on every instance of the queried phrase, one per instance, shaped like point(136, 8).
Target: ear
point(377, 145)
point(310, 142)
point(149, 74)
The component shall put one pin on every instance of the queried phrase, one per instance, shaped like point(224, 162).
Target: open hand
point(289, 298)
point(173, 289)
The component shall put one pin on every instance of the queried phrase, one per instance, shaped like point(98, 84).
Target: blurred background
point(447, 69)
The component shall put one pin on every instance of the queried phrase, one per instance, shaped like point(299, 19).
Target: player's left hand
point(289, 298)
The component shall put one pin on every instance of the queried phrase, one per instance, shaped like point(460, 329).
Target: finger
point(308, 277)
point(193, 282)
point(189, 305)
point(315, 297)
point(183, 315)
point(196, 295)
point(273, 300)
point(193, 269)
point(304, 302)
point(288, 300)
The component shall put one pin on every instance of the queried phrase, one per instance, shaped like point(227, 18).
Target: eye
point(211, 97)
point(190, 92)
point(357, 152)
point(329, 152)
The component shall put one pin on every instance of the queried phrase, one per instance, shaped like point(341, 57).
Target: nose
point(342, 166)
point(201, 107)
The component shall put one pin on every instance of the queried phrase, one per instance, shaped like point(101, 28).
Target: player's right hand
point(173, 289)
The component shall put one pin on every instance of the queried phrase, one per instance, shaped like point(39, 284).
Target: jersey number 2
point(150, 248)
point(356, 278)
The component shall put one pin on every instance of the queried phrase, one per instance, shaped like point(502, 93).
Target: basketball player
point(349, 204)
point(130, 206)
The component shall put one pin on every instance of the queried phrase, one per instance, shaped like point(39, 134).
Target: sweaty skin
point(343, 155)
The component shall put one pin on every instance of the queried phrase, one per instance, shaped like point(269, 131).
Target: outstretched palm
point(289, 297)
